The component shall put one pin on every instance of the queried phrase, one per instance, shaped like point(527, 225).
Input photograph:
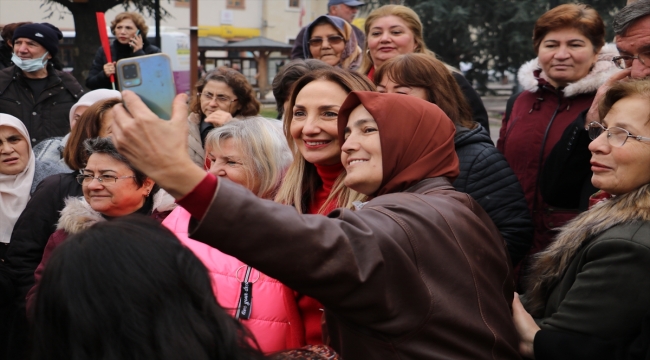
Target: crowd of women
point(376, 220)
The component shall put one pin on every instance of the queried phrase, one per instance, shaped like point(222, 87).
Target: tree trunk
point(86, 34)
point(86, 43)
point(262, 58)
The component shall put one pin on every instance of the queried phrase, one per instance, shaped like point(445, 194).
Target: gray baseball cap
point(352, 3)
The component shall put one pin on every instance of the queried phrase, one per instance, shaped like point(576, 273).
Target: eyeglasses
point(220, 98)
point(105, 180)
point(625, 61)
point(615, 135)
point(332, 40)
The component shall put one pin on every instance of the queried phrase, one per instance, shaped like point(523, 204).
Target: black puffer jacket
point(31, 232)
point(34, 227)
point(5, 55)
point(49, 114)
point(487, 177)
point(97, 79)
point(479, 113)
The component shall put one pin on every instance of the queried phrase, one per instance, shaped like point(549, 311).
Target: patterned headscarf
point(351, 56)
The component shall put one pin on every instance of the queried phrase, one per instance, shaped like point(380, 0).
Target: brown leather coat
point(422, 274)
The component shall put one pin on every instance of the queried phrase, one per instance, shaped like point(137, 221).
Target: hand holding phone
point(151, 78)
point(136, 43)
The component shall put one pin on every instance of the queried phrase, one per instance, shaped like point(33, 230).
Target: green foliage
point(491, 34)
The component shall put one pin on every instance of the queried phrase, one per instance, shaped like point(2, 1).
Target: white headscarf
point(92, 97)
point(14, 189)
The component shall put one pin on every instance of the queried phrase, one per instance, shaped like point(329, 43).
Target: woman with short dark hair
point(112, 187)
point(133, 291)
point(558, 85)
point(220, 96)
point(38, 220)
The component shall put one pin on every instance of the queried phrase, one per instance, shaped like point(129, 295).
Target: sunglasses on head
point(332, 40)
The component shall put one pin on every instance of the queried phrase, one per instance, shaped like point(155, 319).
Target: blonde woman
point(253, 153)
point(393, 30)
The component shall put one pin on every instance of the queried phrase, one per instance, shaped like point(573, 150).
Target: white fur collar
point(602, 70)
point(77, 215)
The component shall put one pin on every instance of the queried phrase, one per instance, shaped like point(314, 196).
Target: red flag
point(103, 35)
point(302, 12)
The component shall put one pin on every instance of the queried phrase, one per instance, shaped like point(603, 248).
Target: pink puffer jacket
point(275, 319)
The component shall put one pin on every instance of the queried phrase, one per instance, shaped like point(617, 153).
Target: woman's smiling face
point(361, 152)
point(313, 126)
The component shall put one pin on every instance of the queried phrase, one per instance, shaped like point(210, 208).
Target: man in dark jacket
point(32, 90)
point(346, 10)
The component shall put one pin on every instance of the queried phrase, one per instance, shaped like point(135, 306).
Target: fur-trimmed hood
point(551, 264)
point(77, 215)
point(602, 70)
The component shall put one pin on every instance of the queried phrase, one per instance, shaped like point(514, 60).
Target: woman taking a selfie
point(331, 39)
point(387, 292)
point(130, 30)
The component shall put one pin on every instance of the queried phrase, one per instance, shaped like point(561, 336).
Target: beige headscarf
point(14, 189)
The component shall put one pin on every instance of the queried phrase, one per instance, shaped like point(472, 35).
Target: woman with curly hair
point(219, 96)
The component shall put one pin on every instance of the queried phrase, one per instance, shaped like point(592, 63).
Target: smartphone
point(151, 77)
point(136, 34)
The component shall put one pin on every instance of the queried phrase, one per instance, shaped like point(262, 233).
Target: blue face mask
point(30, 65)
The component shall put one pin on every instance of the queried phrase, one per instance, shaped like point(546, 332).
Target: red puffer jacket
point(539, 116)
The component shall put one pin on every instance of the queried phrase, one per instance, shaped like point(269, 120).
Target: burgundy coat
point(539, 116)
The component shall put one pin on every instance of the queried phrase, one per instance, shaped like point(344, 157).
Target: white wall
point(282, 21)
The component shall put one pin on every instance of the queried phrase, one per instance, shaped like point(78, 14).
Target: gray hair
point(105, 146)
point(629, 15)
point(264, 148)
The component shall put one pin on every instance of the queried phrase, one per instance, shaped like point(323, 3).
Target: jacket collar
point(551, 264)
point(430, 184)
point(604, 68)
point(77, 215)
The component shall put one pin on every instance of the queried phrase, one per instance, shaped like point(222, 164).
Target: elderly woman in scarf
point(20, 172)
point(331, 39)
point(418, 271)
